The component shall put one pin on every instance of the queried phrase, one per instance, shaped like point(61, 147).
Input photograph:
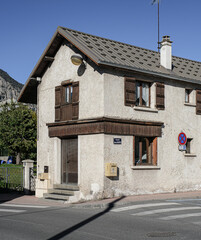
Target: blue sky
point(28, 25)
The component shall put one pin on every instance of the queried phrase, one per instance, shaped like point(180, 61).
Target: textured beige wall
point(91, 161)
point(91, 91)
point(177, 171)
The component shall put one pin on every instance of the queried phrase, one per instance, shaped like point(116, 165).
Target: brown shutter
point(130, 92)
point(160, 96)
point(75, 101)
point(198, 102)
point(58, 103)
point(154, 151)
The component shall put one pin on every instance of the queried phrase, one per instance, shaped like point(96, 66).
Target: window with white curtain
point(142, 94)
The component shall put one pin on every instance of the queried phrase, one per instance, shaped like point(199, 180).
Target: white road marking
point(164, 210)
point(23, 205)
point(198, 223)
point(181, 216)
point(12, 210)
point(142, 206)
point(185, 200)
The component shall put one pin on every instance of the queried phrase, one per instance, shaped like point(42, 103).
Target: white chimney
point(166, 53)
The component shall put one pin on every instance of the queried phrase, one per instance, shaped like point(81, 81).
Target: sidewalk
point(16, 198)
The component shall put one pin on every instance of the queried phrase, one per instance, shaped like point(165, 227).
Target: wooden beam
point(48, 59)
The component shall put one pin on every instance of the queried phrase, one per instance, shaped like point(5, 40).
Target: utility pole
point(153, 2)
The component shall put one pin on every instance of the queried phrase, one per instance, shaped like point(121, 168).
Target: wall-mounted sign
point(182, 138)
point(117, 140)
point(182, 147)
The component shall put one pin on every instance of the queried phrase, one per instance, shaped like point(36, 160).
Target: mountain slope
point(9, 88)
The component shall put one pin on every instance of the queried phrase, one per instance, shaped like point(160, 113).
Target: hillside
point(9, 88)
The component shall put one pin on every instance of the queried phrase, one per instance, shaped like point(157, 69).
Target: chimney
point(166, 53)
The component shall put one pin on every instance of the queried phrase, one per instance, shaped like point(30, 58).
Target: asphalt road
point(167, 219)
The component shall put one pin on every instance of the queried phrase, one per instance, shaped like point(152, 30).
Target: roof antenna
point(153, 2)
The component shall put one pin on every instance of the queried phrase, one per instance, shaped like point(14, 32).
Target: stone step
point(61, 191)
point(66, 187)
point(56, 197)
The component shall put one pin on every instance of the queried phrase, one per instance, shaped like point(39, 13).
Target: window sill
point(190, 104)
point(190, 155)
point(145, 167)
point(145, 109)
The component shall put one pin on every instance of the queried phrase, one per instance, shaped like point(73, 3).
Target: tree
point(18, 130)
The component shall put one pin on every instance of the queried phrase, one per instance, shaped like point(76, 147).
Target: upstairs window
point(187, 95)
point(142, 94)
point(67, 101)
point(138, 93)
point(68, 94)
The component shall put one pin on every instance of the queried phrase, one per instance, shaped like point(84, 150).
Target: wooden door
point(69, 148)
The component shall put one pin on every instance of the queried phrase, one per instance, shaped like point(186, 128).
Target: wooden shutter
point(154, 151)
point(130, 91)
point(160, 96)
point(58, 103)
point(75, 101)
point(198, 102)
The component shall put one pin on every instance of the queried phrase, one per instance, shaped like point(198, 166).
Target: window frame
point(141, 91)
point(187, 95)
point(188, 145)
point(70, 87)
point(151, 147)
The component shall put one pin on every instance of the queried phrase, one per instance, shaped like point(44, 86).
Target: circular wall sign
point(182, 138)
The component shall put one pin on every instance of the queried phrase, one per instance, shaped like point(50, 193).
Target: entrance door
point(69, 148)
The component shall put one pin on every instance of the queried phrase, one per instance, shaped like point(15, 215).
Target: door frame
point(64, 162)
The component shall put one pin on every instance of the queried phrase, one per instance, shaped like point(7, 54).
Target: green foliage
point(18, 131)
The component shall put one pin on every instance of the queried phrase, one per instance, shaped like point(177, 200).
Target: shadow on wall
point(88, 220)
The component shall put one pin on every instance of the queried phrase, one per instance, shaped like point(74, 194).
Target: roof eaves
point(68, 36)
point(37, 65)
point(173, 76)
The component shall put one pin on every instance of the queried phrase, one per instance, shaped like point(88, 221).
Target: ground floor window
point(144, 150)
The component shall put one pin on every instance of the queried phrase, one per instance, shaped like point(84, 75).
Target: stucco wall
point(177, 172)
point(91, 164)
point(90, 91)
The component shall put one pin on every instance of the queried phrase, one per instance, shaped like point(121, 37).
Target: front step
point(52, 196)
point(61, 192)
point(66, 186)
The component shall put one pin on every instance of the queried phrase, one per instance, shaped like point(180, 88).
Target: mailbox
point(43, 176)
point(110, 169)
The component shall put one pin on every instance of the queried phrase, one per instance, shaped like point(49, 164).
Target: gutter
point(173, 77)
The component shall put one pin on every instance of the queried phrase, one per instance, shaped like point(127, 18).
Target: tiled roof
point(109, 52)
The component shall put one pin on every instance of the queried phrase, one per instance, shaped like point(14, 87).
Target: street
point(161, 219)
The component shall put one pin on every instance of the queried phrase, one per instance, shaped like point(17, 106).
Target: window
point(145, 150)
point(68, 94)
point(187, 95)
point(188, 145)
point(142, 94)
point(67, 101)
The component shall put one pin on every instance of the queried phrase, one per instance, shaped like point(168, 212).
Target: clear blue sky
point(28, 25)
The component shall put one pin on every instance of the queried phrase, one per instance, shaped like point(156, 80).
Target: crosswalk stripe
point(164, 210)
point(142, 206)
point(197, 223)
point(181, 216)
point(23, 205)
point(12, 210)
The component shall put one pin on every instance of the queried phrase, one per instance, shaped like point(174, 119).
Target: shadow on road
point(6, 195)
point(88, 220)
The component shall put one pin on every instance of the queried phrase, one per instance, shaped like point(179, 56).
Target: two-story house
point(101, 101)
